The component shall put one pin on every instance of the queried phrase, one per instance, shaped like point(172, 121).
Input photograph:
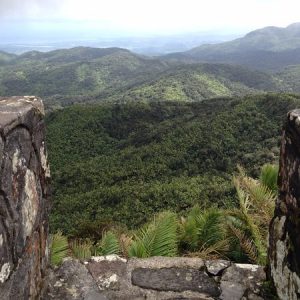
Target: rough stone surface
point(240, 279)
point(156, 278)
point(72, 281)
point(24, 202)
point(175, 279)
point(107, 272)
point(284, 241)
point(216, 267)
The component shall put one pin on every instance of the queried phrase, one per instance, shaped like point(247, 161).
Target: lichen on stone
point(30, 204)
point(5, 272)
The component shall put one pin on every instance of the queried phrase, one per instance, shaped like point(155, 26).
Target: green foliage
point(202, 233)
point(59, 248)
point(109, 244)
point(269, 49)
point(159, 238)
point(80, 75)
point(249, 223)
point(237, 233)
point(124, 163)
point(81, 248)
point(269, 176)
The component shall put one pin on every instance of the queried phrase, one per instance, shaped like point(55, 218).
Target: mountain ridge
point(269, 48)
point(84, 74)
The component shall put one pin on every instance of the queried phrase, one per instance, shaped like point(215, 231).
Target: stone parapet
point(157, 278)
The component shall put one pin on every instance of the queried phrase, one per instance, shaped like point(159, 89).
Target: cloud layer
point(158, 15)
point(29, 8)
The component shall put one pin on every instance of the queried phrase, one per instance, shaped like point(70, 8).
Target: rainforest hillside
point(81, 75)
point(125, 162)
point(269, 49)
point(74, 73)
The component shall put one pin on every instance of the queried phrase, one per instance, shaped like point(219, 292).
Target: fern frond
point(159, 238)
point(210, 227)
point(59, 248)
point(109, 244)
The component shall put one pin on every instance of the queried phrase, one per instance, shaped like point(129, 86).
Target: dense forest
point(91, 75)
point(125, 162)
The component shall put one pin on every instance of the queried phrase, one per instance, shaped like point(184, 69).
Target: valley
point(132, 136)
point(123, 163)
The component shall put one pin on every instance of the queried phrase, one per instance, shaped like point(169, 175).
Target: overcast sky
point(158, 16)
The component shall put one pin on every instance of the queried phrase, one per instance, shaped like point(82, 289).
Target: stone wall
point(24, 205)
point(284, 241)
point(156, 278)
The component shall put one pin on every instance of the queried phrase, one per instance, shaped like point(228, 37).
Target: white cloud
point(161, 15)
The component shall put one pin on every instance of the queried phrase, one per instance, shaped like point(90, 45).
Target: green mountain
point(75, 73)
point(291, 76)
point(83, 74)
point(194, 82)
point(125, 162)
point(5, 58)
point(269, 48)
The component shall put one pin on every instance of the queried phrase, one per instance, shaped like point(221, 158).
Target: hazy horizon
point(136, 25)
point(137, 17)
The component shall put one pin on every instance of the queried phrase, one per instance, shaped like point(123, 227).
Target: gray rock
point(72, 281)
point(175, 279)
point(166, 262)
point(251, 296)
point(284, 241)
point(157, 278)
point(25, 110)
point(24, 204)
point(241, 278)
point(216, 267)
point(108, 271)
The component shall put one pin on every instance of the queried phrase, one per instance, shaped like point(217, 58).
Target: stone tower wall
point(284, 241)
point(24, 204)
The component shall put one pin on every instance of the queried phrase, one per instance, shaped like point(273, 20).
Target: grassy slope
point(126, 162)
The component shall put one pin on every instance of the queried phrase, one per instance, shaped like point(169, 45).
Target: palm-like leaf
point(210, 229)
point(269, 176)
point(109, 244)
point(256, 207)
point(159, 238)
point(138, 249)
point(59, 248)
point(189, 229)
point(203, 233)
